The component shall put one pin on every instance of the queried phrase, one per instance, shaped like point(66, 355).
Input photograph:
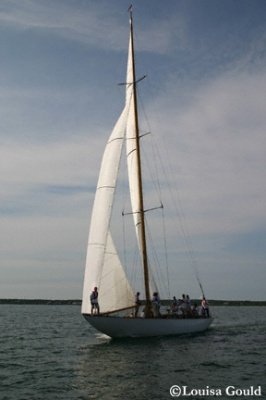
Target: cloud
point(45, 198)
point(84, 23)
point(94, 25)
point(217, 141)
point(207, 114)
point(30, 171)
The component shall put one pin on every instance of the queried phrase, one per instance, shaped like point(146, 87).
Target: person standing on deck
point(137, 304)
point(94, 301)
point(205, 307)
point(174, 305)
point(156, 304)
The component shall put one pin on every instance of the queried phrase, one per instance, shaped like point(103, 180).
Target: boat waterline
point(117, 327)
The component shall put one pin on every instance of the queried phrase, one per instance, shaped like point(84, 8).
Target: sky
point(205, 97)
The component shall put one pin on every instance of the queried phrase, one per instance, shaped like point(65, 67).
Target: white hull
point(118, 327)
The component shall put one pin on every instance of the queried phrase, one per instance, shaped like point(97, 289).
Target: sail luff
point(136, 180)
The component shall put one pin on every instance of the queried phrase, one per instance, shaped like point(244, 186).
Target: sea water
point(51, 352)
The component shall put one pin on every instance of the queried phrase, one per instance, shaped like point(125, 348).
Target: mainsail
point(131, 144)
point(132, 159)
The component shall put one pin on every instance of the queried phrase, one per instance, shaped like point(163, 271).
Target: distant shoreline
point(77, 302)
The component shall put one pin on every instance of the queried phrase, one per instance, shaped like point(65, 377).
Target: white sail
point(100, 220)
point(115, 290)
point(103, 267)
point(132, 162)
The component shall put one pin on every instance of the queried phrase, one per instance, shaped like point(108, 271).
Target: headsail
point(99, 245)
point(115, 290)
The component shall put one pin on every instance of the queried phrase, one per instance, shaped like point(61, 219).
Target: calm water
point(50, 352)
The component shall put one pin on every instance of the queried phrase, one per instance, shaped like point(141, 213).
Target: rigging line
point(156, 181)
point(181, 216)
point(151, 167)
point(138, 212)
point(132, 83)
point(124, 242)
point(154, 177)
point(188, 244)
point(156, 269)
point(165, 251)
point(155, 174)
point(140, 136)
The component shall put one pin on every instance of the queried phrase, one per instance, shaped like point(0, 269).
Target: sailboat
point(104, 269)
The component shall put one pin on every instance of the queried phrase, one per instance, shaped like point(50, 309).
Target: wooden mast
point(148, 310)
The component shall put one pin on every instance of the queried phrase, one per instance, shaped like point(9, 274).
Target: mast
point(148, 311)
